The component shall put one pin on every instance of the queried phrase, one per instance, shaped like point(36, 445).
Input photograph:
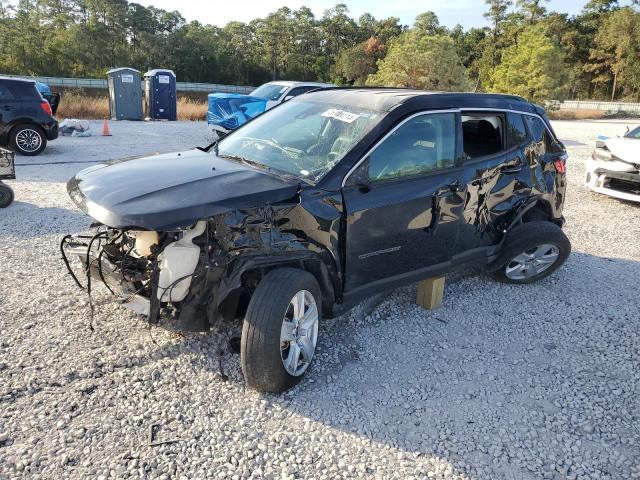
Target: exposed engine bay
point(146, 270)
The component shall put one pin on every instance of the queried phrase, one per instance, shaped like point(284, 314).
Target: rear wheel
point(531, 252)
point(280, 330)
point(28, 140)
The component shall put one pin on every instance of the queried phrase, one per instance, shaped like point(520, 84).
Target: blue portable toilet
point(160, 95)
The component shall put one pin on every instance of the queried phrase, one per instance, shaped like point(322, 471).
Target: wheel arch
point(26, 121)
point(234, 301)
point(535, 209)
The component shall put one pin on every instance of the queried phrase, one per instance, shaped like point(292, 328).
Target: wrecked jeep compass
point(318, 203)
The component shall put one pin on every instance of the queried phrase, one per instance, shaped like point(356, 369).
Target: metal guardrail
point(596, 105)
point(102, 84)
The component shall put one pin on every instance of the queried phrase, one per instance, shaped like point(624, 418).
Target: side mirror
point(360, 179)
point(288, 97)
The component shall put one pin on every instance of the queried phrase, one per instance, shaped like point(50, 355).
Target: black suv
point(319, 203)
point(26, 119)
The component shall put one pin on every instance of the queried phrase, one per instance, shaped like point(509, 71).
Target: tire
point(263, 352)
point(28, 140)
point(6, 195)
point(531, 252)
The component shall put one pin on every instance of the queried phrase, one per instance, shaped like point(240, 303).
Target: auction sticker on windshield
point(341, 115)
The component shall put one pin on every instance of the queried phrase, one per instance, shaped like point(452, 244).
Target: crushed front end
point(613, 171)
point(152, 273)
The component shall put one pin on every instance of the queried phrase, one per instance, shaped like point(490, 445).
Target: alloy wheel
point(532, 262)
point(299, 333)
point(28, 140)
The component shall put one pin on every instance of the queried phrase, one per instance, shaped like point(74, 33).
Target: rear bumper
point(51, 131)
point(624, 185)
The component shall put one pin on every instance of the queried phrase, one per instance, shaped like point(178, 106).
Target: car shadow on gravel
point(503, 381)
point(26, 220)
point(494, 377)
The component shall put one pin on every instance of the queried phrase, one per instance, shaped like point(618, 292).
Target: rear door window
point(483, 134)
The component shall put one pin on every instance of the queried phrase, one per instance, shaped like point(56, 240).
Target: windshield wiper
point(244, 160)
point(262, 166)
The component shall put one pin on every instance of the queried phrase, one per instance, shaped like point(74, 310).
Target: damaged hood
point(625, 149)
point(164, 192)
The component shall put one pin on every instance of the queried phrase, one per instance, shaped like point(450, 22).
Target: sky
point(450, 12)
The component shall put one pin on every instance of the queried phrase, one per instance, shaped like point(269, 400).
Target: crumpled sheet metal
point(248, 239)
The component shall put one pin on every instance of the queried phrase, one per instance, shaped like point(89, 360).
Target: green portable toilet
point(125, 94)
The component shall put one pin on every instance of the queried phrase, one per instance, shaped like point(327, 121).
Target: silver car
point(282, 90)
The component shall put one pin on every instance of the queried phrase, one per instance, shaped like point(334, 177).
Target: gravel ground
point(513, 382)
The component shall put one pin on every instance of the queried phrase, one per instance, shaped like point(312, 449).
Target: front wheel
point(531, 252)
point(280, 330)
point(28, 140)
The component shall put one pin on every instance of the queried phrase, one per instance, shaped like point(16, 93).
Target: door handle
point(456, 186)
point(448, 190)
point(514, 167)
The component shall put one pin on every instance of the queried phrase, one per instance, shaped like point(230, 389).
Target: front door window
point(421, 145)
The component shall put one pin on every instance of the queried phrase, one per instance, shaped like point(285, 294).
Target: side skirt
point(478, 257)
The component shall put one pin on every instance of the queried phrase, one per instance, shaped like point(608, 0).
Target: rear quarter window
point(24, 90)
point(540, 134)
point(516, 131)
point(5, 93)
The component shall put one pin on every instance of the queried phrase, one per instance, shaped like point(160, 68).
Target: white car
point(614, 166)
point(281, 91)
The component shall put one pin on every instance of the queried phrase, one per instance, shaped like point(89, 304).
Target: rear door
point(497, 176)
point(403, 202)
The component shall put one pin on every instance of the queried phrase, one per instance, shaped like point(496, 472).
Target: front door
point(403, 203)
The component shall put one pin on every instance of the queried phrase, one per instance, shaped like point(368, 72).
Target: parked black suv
point(320, 202)
point(26, 120)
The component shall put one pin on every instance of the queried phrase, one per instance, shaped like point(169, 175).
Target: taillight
point(44, 105)
point(560, 166)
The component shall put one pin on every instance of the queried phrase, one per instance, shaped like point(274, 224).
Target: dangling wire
point(88, 273)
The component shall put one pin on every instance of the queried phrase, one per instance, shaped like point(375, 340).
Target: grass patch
point(78, 104)
point(575, 114)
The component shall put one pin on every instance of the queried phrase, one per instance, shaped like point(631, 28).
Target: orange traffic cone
point(105, 128)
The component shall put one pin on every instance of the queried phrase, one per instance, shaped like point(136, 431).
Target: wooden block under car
point(430, 292)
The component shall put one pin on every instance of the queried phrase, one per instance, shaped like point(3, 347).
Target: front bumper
point(623, 182)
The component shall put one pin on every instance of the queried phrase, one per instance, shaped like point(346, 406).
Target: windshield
point(270, 91)
point(635, 133)
point(302, 138)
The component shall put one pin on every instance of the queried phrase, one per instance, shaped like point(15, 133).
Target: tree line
point(526, 50)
